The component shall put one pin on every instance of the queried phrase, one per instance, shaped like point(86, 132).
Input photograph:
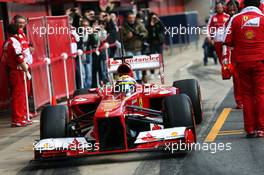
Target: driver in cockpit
point(125, 84)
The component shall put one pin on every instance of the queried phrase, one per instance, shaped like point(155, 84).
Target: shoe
point(33, 115)
point(19, 124)
point(29, 122)
point(251, 134)
point(260, 134)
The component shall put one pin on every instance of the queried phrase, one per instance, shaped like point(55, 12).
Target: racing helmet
point(125, 84)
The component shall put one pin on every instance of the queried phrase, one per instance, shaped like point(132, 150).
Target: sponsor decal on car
point(174, 134)
point(140, 102)
point(80, 99)
point(161, 134)
point(110, 105)
point(148, 138)
point(156, 126)
point(142, 62)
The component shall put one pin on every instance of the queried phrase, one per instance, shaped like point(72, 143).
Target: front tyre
point(53, 122)
point(178, 113)
point(191, 88)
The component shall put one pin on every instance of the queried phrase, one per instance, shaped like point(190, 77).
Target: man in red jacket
point(261, 6)
point(245, 33)
point(216, 28)
point(16, 65)
point(27, 48)
point(232, 9)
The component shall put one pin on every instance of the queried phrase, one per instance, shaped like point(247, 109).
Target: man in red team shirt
point(27, 48)
point(16, 66)
point(216, 26)
point(245, 33)
point(232, 9)
point(261, 6)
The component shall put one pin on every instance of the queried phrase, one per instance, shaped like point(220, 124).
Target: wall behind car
point(167, 7)
point(28, 10)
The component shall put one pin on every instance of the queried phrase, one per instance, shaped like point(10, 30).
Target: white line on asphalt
point(186, 66)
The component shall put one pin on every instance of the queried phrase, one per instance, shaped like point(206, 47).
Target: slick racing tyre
point(191, 88)
point(178, 112)
point(53, 122)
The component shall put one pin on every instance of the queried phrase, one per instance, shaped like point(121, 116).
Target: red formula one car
point(123, 117)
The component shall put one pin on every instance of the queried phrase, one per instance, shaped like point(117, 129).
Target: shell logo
point(249, 35)
point(174, 134)
point(46, 145)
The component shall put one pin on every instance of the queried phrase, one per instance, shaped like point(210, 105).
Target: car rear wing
point(142, 62)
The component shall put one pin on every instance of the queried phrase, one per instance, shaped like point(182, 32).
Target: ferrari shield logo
point(245, 18)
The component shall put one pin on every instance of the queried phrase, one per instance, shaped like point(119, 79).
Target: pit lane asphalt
point(245, 157)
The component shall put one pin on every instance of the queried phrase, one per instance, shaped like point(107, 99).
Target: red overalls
point(13, 56)
point(216, 26)
point(22, 38)
point(246, 35)
point(236, 84)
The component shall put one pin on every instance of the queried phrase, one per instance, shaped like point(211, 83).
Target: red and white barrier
point(41, 87)
point(4, 95)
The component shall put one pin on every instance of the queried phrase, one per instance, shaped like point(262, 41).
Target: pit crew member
point(245, 33)
point(216, 26)
point(16, 66)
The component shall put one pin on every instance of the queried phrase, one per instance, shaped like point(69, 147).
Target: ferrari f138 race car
point(125, 116)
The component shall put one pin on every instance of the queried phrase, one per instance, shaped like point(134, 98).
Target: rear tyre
point(191, 88)
point(53, 122)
